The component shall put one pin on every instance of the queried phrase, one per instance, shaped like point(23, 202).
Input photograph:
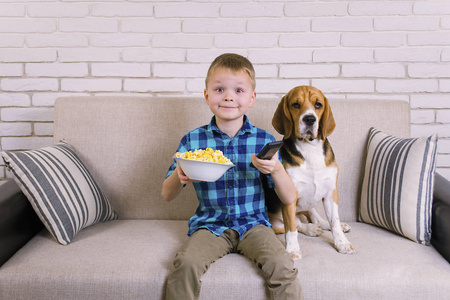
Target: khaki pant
point(258, 244)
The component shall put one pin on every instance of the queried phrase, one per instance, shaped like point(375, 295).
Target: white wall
point(349, 49)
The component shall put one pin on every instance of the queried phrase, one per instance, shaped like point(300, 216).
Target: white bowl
point(202, 170)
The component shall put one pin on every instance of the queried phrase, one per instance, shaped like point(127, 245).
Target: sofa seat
point(130, 259)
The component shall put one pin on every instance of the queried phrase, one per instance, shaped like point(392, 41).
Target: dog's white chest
point(313, 179)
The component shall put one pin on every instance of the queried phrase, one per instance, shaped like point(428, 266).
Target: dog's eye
point(296, 105)
point(318, 105)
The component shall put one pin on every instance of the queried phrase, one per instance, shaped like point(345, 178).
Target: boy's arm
point(173, 184)
point(284, 187)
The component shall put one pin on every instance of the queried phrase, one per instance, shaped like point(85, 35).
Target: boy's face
point(229, 94)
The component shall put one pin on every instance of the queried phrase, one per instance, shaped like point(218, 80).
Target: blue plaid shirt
point(236, 200)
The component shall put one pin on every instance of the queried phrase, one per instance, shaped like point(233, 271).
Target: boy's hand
point(183, 177)
point(267, 166)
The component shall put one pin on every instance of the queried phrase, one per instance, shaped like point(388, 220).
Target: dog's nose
point(309, 120)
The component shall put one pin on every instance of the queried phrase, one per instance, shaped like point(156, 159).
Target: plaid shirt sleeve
point(236, 200)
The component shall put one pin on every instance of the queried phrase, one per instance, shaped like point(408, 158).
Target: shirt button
point(230, 187)
point(232, 210)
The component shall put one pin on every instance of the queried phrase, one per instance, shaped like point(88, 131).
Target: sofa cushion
point(60, 189)
point(130, 259)
point(397, 190)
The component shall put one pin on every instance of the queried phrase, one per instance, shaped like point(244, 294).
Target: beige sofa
point(127, 144)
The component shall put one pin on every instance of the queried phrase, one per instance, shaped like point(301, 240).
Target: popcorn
point(205, 155)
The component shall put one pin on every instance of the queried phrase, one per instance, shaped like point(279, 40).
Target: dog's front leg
point(331, 210)
point(290, 225)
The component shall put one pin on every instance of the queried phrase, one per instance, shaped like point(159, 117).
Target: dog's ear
point(327, 123)
point(282, 121)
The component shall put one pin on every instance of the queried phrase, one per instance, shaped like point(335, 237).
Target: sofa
point(127, 143)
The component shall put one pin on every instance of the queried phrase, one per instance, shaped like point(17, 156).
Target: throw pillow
point(60, 188)
point(397, 190)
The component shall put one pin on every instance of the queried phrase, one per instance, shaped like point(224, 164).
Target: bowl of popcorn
point(203, 165)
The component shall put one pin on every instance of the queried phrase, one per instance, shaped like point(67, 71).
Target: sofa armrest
point(440, 220)
point(18, 221)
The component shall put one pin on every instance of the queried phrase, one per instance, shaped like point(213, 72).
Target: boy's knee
point(188, 263)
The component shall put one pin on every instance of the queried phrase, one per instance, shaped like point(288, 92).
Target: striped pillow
point(60, 188)
point(397, 191)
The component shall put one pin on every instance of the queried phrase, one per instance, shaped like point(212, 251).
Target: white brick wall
point(377, 49)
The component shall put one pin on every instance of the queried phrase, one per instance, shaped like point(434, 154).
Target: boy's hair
point(233, 62)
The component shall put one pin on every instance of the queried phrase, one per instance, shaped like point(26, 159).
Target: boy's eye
point(239, 91)
point(219, 90)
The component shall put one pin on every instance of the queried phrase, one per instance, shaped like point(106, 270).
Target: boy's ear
point(253, 100)
point(205, 93)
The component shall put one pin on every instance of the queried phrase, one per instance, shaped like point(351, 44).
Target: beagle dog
point(305, 120)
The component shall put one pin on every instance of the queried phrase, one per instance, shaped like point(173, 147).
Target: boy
point(231, 216)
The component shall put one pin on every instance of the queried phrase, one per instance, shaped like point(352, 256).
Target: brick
point(186, 10)
point(428, 71)
point(430, 101)
point(373, 70)
point(431, 8)
point(443, 116)
point(12, 10)
point(419, 130)
point(27, 25)
point(208, 55)
point(373, 39)
point(182, 41)
point(406, 85)
point(277, 25)
point(445, 22)
point(440, 38)
point(48, 99)
point(280, 56)
point(153, 55)
point(121, 69)
point(406, 23)
point(309, 39)
point(180, 70)
point(43, 129)
point(342, 24)
point(154, 85)
point(88, 55)
point(249, 10)
point(422, 116)
point(119, 40)
point(89, 25)
point(11, 41)
point(91, 85)
point(57, 69)
point(27, 114)
point(196, 86)
point(57, 40)
point(122, 10)
point(25, 143)
point(213, 25)
point(444, 146)
point(250, 40)
point(407, 55)
point(343, 55)
point(445, 172)
point(11, 70)
point(151, 25)
point(266, 71)
point(443, 160)
point(315, 9)
point(379, 8)
point(58, 10)
point(14, 99)
point(15, 129)
point(278, 86)
point(444, 85)
point(344, 86)
point(29, 84)
point(27, 55)
point(308, 71)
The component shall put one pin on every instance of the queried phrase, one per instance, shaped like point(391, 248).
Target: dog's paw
point(297, 254)
point(345, 248)
point(310, 229)
point(345, 227)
